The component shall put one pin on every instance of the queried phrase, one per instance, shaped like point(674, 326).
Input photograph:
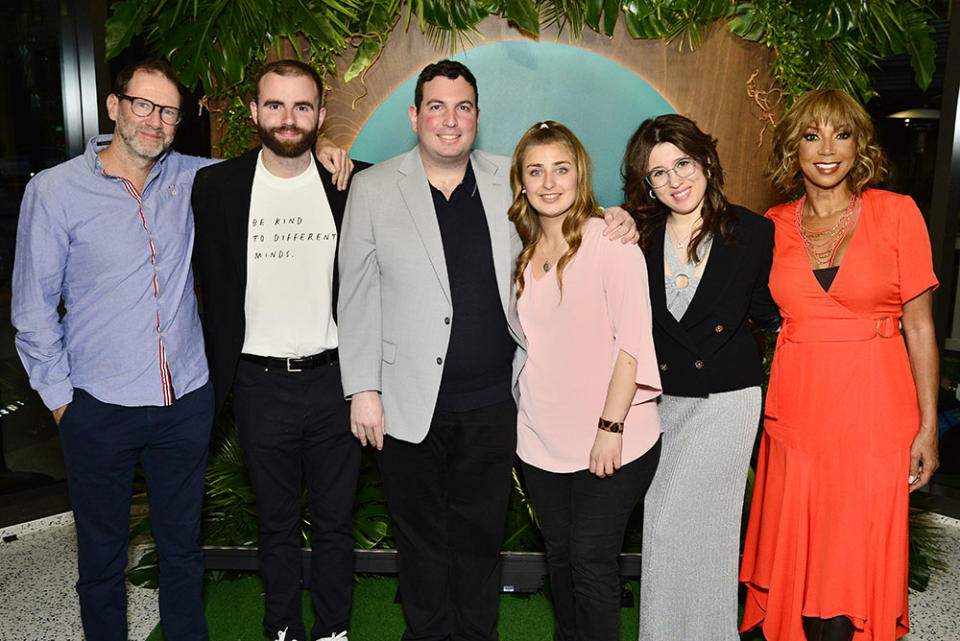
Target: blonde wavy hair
point(525, 217)
point(836, 108)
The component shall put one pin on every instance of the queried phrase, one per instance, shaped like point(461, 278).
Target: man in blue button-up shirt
point(123, 371)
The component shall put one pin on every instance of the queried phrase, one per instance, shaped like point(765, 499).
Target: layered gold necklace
point(823, 244)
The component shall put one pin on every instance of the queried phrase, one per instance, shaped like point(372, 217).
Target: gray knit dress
point(691, 515)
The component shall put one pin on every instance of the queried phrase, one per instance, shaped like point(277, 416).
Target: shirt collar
point(467, 184)
point(102, 141)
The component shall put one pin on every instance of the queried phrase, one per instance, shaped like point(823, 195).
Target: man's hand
point(366, 418)
point(58, 414)
point(620, 225)
point(335, 160)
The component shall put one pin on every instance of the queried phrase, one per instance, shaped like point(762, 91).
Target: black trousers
point(101, 444)
point(291, 425)
point(583, 519)
point(447, 498)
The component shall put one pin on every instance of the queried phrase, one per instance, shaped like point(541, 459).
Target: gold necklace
point(823, 244)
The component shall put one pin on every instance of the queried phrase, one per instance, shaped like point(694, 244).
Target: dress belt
point(294, 364)
point(839, 330)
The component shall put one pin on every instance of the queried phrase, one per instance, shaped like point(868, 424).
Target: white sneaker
point(282, 635)
point(339, 636)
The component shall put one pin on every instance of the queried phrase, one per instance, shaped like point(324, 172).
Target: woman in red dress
point(850, 425)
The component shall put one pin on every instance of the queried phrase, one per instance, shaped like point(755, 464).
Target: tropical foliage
point(214, 43)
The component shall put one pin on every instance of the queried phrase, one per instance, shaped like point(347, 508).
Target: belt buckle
point(291, 369)
point(880, 324)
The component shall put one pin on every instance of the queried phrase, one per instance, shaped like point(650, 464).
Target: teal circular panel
point(523, 82)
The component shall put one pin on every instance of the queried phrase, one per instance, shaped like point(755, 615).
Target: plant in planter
point(214, 44)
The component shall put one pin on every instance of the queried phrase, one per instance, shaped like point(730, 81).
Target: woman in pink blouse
point(588, 430)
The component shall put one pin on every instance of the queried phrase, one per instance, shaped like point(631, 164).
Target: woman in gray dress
point(708, 263)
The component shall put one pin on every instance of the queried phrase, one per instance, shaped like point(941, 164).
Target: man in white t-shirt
point(267, 229)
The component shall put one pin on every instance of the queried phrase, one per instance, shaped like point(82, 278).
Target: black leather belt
point(295, 364)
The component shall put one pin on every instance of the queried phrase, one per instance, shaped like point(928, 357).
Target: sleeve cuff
point(57, 395)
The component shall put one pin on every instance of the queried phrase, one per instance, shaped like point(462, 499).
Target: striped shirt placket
point(164, 366)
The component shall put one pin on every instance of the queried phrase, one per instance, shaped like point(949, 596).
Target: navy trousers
point(101, 444)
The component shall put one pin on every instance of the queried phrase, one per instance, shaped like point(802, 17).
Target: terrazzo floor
point(38, 603)
point(38, 569)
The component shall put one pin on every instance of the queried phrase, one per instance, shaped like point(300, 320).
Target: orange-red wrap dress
point(827, 534)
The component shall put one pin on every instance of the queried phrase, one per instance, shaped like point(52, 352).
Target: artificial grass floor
point(235, 610)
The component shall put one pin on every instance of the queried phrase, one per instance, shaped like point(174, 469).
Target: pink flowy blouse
point(572, 344)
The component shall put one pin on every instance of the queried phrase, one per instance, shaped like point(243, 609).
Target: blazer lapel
point(337, 200)
point(721, 265)
point(415, 191)
point(658, 295)
point(494, 194)
point(236, 211)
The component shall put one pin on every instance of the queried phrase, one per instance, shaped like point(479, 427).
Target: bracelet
point(614, 427)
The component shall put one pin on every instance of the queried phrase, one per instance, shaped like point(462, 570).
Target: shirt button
point(698, 364)
point(446, 321)
point(439, 361)
point(663, 367)
point(159, 301)
point(718, 328)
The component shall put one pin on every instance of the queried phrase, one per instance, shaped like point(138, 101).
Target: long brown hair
point(646, 208)
point(840, 110)
point(526, 218)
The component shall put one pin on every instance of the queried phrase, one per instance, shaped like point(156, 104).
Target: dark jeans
point(291, 425)
point(583, 519)
point(101, 444)
point(447, 498)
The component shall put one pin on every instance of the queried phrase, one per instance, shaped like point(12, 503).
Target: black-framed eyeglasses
point(683, 168)
point(143, 108)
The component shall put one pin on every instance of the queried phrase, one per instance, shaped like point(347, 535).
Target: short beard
point(128, 133)
point(288, 148)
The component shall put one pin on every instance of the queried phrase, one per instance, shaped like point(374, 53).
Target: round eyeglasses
point(683, 168)
point(142, 108)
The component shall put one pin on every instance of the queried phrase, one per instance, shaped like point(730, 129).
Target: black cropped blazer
point(711, 348)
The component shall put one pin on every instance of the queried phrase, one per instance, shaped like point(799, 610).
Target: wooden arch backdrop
point(709, 85)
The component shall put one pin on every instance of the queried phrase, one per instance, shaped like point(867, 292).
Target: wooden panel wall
point(709, 85)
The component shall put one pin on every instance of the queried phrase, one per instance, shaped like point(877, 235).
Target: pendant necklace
point(676, 239)
point(547, 264)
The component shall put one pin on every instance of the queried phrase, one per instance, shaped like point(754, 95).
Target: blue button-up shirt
point(120, 260)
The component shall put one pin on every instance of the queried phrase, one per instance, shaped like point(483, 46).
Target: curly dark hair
point(646, 208)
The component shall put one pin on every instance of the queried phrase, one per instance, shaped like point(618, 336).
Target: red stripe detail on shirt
point(165, 380)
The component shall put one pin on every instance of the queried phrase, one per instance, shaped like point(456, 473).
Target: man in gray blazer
point(426, 271)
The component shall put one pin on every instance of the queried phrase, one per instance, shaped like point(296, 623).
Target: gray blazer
point(395, 308)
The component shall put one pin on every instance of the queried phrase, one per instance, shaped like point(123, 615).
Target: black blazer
point(711, 348)
point(221, 209)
